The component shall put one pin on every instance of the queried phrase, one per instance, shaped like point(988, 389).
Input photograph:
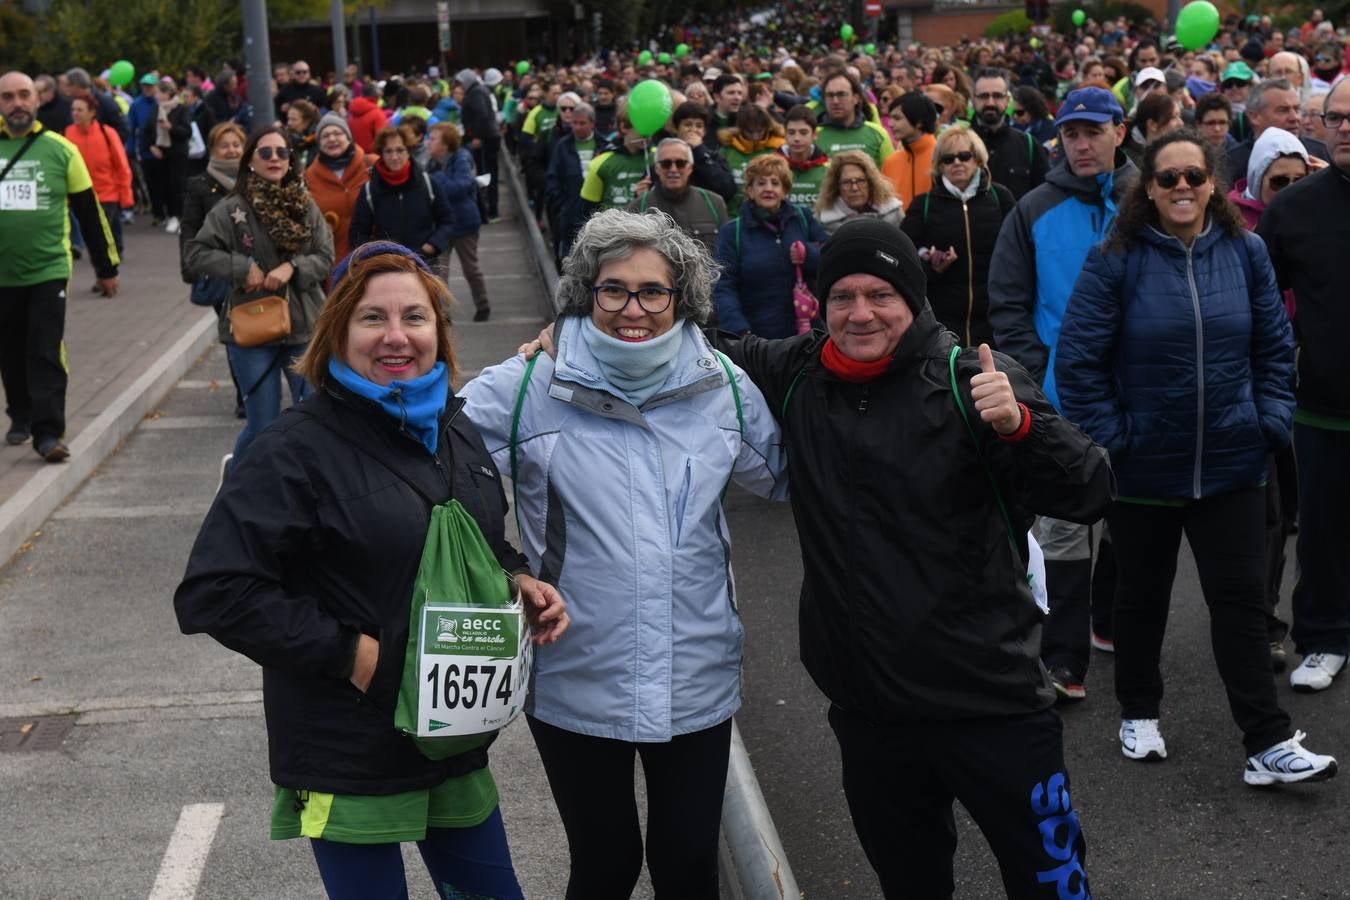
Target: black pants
point(1281, 511)
point(32, 326)
point(1227, 537)
point(1007, 771)
point(486, 160)
point(592, 782)
point(1322, 595)
point(166, 179)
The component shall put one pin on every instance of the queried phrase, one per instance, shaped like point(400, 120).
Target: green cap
point(1237, 71)
point(148, 78)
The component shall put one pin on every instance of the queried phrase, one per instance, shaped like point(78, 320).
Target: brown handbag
point(262, 321)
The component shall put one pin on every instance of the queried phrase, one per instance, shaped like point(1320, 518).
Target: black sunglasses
point(1280, 182)
point(266, 152)
point(1168, 178)
point(948, 158)
point(675, 163)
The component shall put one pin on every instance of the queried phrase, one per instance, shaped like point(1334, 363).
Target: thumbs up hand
point(993, 395)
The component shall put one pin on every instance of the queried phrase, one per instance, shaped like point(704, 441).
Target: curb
point(543, 256)
point(24, 513)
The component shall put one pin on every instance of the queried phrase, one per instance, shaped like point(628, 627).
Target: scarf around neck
point(391, 177)
point(339, 163)
point(639, 369)
point(971, 189)
point(224, 171)
point(283, 210)
point(849, 369)
point(415, 404)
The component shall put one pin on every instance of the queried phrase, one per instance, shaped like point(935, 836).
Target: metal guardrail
point(753, 863)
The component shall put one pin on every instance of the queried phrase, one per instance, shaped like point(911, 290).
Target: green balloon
point(681, 51)
point(1079, 17)
point(1197, 24)
point(649, 106)
point(846, 32)
point(121, 73)
point(870, 49)
point(522, 67)
point(645, 58)
point(664, 59)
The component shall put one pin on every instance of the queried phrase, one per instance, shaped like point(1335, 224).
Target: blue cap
point(1090, 104)
point(375, 248)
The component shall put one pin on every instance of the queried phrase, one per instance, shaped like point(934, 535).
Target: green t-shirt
point(806, 186)
point(611, 178)
point(585, 152)
point(871, 138)
point(541, 120)
point(736, 162)
point(33, 209)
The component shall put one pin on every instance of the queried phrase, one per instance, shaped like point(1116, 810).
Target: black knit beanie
point(870, 246)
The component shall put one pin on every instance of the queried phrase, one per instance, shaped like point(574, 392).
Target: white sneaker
point(224, 467)
point(1316, 672)
point(171, 226)
point(1287, 762)
point(1139, 739)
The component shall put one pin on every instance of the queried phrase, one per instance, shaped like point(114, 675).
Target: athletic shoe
point(1316, 672)
point(1279, 659)
point(1139, 739)
point(172, 225)
point(18, 433)
point(1104, 644)
point(52, 449)
point(1067, 685)
point(128, 217)
point(1286, 763)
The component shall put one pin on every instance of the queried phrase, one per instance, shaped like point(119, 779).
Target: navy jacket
point(754, 293)
point(562, 191)
point(412, 214)
point(456, 180)
point(1186, 381)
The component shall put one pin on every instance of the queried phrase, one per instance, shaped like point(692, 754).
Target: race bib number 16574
point(474, 667)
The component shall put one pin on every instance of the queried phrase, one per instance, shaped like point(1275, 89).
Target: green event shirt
point(736, 162)
point(585, 152)
point(806, 186)
point(611, 178)
point(541, 120)
point(37, 239)
point(871, 138)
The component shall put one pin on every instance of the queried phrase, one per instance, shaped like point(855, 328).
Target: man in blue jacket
point(567, 211)
point(1036, 261)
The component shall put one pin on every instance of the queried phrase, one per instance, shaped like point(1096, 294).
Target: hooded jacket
point(621, 508)
point(1039, 253)
point(365, 118)
point(915, 603)
point(754, 293)
point(910, 168)
point(1185, 381)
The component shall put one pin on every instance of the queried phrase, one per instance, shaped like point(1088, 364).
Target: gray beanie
point(335, 120)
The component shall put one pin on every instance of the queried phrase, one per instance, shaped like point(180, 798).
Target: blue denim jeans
point(259, 371)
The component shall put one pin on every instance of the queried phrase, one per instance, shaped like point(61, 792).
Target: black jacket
point(1016, 159)
point(712, 173)
point(477, 115)
point(200, 194)
point(180, 133)
point(913, 605)
point(310, 543)
point(412, 213)
point(959, 294)
point(1306, 232)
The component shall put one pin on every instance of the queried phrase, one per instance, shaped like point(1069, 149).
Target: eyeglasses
point(1334, 120)
point(672, 163)
point(1280, 182)
point(268, 152)
point(948, 158)
point(852, 182)
point(996, 96)
point(614, 297)
point(566, 108)
point(1168, 178)
point(873, 298)
point(838, 95)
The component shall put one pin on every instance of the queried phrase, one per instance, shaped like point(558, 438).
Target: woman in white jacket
point(620, 450)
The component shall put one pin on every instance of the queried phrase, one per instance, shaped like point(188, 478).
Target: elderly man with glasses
point(697, 211)
point(1016, 159)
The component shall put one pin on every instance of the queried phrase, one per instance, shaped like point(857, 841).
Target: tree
point(18, 35)
point(166, 35)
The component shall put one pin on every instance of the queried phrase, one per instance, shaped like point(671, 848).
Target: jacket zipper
point(1199, 373)
point(970, 273)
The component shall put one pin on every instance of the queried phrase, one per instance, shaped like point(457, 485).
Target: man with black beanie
point(916, 468)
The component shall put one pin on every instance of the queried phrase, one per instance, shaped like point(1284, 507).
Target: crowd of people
point(1071, 270)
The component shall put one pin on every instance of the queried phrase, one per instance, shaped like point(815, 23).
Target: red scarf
point(851, 369)
point(392, 178)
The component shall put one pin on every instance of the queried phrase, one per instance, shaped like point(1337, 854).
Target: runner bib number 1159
point(474, 667)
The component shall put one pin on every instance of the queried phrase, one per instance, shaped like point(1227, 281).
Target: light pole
point(258, 58)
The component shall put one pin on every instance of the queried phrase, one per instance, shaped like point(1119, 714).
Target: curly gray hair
point(615, 234)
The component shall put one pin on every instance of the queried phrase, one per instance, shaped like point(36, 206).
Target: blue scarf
point(415, 404)
point(636, 369)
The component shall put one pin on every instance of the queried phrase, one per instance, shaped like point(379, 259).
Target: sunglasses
point(1168, 178)
point(672, 163)
point(566, 108)
point(1280, 182)
point(948, 158)
point(267, 152)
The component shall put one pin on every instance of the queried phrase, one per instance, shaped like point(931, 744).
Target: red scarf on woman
point(392, 178)
point(851, 369)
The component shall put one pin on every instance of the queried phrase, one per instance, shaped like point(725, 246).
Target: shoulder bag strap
point(23, 148)
point(515, 428)
point(717, 220)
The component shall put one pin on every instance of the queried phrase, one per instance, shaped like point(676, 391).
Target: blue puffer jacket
point(1186, 382)
point(754, 293)
point(456, 181)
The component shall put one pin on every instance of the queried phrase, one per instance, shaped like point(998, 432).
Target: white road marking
point(181, 870)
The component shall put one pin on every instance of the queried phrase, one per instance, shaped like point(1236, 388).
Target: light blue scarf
point(416, 405)
point(636, 369)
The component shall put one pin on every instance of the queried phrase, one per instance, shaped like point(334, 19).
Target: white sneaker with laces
point(1286, 763)
point(172, 225)
point(1139, 739)
point(1316, 672)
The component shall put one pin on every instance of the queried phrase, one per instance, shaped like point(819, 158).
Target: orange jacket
point(337, 197)
point(910, 168)
point(106, 161)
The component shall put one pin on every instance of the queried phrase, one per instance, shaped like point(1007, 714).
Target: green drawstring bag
point(467, 665)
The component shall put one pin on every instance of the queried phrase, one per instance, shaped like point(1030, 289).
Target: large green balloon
point(846, 32)
point(645, 58)
point(1197, 24)
point(649, 106)
point(121, 73)
point(681, 51)
point(1079, 17)
point(522, 67)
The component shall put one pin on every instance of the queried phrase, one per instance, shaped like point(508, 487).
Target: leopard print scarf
point(283, 210)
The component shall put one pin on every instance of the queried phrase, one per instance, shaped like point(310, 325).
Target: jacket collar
point(1088, 188)
point(1169, 244)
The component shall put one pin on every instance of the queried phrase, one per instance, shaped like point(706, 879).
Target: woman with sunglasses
point(620, 450)
point(854, 188)
point(957, 223)
point(1278, 160)
point(1175, 355)
point(268, 238)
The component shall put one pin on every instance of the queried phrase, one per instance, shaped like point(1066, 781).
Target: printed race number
point(453, 688)
point(474, 667)
point(18, 195)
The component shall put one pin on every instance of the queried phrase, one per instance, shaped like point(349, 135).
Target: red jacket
point(365, 119)
point(106, 160)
